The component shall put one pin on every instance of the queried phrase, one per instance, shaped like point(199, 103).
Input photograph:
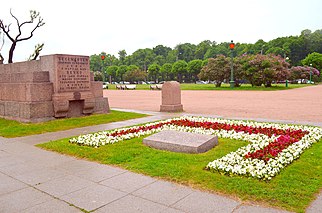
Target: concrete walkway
point(35, 180)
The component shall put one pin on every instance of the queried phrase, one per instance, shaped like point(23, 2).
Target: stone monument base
point(56, 86)
point(171, 108)
point(185, 142)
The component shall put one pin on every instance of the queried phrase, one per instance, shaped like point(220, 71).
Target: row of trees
point(256, 69)
point(180, 71)
point(295, 48)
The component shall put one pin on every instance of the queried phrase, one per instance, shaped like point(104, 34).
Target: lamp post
point(310, 73)
point(103, 58)
point(232, 82)
point(286, 81)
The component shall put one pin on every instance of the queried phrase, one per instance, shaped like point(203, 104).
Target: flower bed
point(272, 146)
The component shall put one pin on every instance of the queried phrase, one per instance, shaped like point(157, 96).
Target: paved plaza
point(35, 180)
point(303, 105)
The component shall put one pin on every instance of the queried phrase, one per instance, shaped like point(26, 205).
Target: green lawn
point(292, 190)
point(223, 87)
point(9, 128)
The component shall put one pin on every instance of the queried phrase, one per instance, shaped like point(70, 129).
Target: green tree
point(135, 75)
point(161, 50)
point(122, 56)
point(185, 51)
point(111, 71)
point(120, 72)
point(202, 48)
point(194, 68)
point(132, 67)
point(179, 69)
point(315, 59)
point(160, 60)
point(166, 72)
point(172, 56)
point(154, 72)
point(143, 58)
point(219, 49)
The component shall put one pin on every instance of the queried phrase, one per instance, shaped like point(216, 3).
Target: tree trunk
point(268, 84)
point(12, 48)
point(1, 59)
point(218, 84)
point(180, 78)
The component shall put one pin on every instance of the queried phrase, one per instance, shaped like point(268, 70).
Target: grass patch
point(10, 129)
point(184, 86)
point(292, 190)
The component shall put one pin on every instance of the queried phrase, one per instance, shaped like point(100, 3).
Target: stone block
point(101, 105)
point(26, 111)
point(2, 107)
point(97, 88)
point(13, 92)
point(61, 108)
point(171, 97)
point(28, 77)
point(39, 91)
point(20, 67)
point(88, 107)
point(171, 108)
point(26, 91)
point(11, 109)
point(4, 78)
point(185, 142)
point(40, 76)
point(40, 110)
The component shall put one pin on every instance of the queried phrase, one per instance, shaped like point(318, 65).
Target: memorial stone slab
point(185, 142)
point(171, 97)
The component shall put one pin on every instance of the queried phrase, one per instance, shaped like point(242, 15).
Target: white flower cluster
point(232, 163)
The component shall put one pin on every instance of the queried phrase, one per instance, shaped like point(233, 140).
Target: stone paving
point(36, 180)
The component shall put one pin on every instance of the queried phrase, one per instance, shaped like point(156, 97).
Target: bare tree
point(36, 52)
point(15, 39)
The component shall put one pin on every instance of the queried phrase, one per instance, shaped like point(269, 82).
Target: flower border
point(243, 161)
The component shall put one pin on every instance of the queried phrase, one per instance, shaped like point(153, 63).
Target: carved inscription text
point(73, 73)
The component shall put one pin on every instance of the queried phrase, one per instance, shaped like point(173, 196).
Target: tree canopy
point(185, 61)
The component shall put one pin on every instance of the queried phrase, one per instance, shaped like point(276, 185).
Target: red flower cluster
point(237, 128)
point(277, 146)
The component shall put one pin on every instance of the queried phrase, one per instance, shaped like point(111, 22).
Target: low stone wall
point(55, 86)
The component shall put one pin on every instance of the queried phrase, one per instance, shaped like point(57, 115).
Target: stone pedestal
point(55, 86)
point(171, 97)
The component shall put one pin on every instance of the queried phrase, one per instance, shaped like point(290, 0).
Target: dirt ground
point(303, 104)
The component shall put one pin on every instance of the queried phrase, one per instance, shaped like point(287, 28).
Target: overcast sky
point(90, 27)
